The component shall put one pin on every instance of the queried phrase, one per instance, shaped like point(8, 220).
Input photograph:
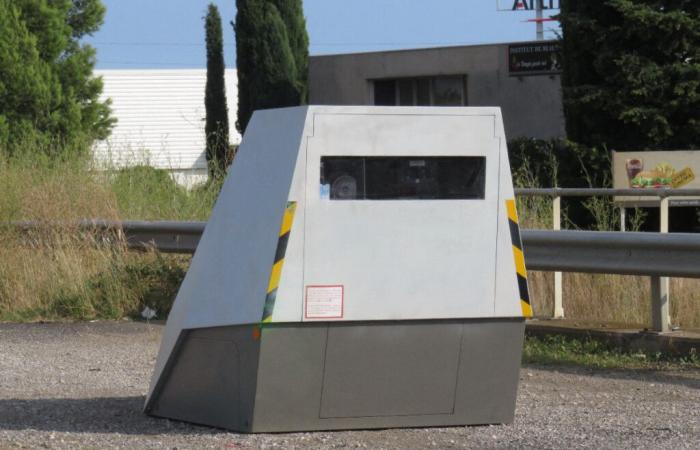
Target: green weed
point(145, 193)
point(559, 350)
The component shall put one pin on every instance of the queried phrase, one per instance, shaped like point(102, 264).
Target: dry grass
point(62, 272)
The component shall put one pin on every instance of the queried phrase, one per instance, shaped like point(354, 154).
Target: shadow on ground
point(124, 415)
point(90, 415)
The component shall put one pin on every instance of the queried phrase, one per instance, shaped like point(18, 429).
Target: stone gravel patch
point(82, 385)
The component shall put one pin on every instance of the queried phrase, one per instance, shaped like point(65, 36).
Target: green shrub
point(558, 163)
point(147, 193)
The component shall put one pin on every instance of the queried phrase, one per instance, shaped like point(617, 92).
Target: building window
point(425, 91)
point(448, 91)
point(385, 92)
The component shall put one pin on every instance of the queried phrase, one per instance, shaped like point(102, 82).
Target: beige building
point(522, 78)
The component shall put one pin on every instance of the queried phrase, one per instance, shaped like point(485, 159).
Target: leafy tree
point(216, 127)
point(632, 73)
point(48, 94)
point(271, 56)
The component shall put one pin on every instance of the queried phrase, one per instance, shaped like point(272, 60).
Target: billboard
point(534, 58)
point(526, 5)
point(655, 170)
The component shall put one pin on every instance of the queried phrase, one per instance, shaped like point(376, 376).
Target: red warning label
point(324, 302)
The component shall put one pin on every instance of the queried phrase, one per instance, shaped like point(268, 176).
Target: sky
point(140, 34)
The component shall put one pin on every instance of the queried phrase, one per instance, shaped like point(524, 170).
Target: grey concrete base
point(323, 376)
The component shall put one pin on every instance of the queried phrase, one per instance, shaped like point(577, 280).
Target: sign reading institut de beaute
point(655, 170)
point(534, 58)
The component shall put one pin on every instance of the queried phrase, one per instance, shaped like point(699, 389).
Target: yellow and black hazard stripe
point(521, 272)
point(274, 282)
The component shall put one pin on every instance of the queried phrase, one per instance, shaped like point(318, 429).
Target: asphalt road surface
point(83, 385)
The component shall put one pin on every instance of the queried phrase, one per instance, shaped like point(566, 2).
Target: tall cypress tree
point(292, 13)
point(272, 56)
point(632, 73)
point(216, 127)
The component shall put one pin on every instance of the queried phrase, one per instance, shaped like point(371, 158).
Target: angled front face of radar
point(362, 268)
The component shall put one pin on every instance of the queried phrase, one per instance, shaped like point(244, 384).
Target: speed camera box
point(362, 268)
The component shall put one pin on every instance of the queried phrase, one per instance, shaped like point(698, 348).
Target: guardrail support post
point(660, 320)
point(623, 218)
point(660, 286)
point(664, 214)
point(558, 285)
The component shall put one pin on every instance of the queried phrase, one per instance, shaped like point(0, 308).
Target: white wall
point(160, 120)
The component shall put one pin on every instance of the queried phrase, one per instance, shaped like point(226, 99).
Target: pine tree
point(25, 80)
point(48, 94)
point(217, 127)
point(272, 56)
point(632, 73)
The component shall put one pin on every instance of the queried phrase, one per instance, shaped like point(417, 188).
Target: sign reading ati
point(533, 58)
point(526, 5)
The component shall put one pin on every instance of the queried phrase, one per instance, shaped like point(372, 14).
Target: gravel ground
point(83, 385)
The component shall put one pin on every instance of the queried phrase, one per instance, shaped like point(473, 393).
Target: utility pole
point(539, 20)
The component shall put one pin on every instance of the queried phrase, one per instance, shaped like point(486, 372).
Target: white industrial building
point(160, 120)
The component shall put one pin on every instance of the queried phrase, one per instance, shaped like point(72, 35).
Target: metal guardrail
point(167, 237)
point(631, 253)
point(663, 198)
point(164, 236)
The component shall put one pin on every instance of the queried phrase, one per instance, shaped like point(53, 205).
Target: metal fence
point(663, 197)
